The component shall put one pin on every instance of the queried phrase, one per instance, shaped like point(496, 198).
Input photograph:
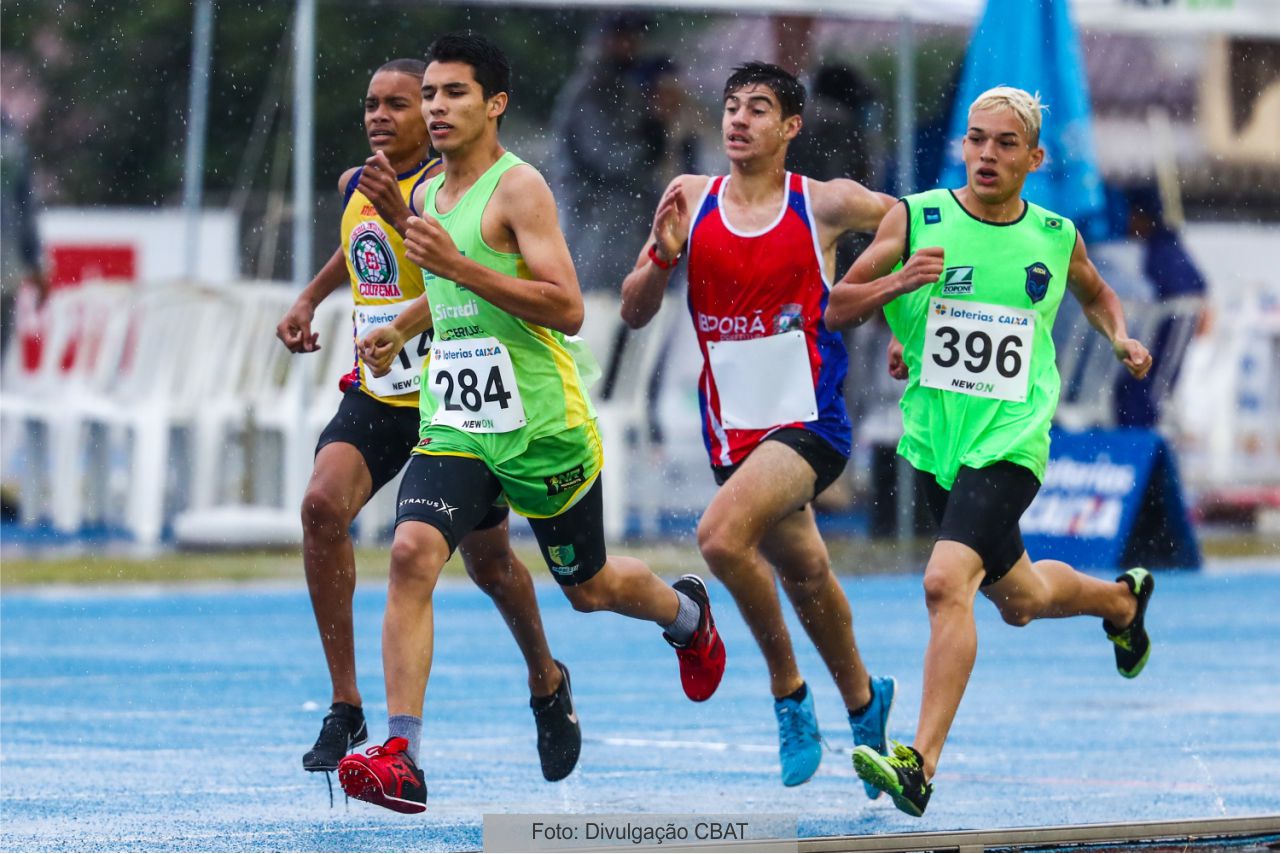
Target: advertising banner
point(1111, 499)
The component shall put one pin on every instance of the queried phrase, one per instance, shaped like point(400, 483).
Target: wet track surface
point(151, 718)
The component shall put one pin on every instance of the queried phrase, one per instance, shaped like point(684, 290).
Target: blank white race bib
point(978, 349)
point(407, 368)
point(763, 382)
point(475, 384)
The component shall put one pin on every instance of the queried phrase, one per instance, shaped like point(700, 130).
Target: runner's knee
point(943, 590)
point(324, 514)
point(1022, 604)
point(1017, 611)
point(593, 595)
point(417, 554)
point(720, 549)
point(807, 577)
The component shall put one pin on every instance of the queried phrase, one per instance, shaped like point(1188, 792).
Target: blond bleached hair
point(1024, 105)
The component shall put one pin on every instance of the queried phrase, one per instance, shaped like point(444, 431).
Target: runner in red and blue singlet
point(762, 248)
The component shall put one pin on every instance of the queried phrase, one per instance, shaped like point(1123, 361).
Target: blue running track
point(147, 719)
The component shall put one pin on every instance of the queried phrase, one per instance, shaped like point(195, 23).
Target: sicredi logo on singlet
point(958, 281)
point(374, 262)
point(455, 312)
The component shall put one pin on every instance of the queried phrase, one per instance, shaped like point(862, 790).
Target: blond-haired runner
point(970, 281)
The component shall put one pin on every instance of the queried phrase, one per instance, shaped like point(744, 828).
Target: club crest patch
point(1038, 281)
point(562, 558)
point(374, 261)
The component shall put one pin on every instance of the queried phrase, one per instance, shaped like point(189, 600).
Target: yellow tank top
point(383, 283)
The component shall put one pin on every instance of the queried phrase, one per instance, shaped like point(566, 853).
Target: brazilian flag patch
point(1054, 223)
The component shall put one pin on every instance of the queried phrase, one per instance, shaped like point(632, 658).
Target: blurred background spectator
point(679, 118)
point(20, 261)
point(1171, 273)
point(841, 134)
point(610, 136)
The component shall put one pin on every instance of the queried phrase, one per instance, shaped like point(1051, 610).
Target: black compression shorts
point(384, 435)
point(451, 493)
point(982, 510)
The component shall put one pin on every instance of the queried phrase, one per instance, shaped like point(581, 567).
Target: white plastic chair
point(86, 340)
point(28, 396)
point(251, 310)
point(181, 334)
point(622, 406)
point(281, 402)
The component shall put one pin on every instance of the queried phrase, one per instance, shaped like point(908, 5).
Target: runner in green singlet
point(369, 439)
point(970, 281)
point(505, 411)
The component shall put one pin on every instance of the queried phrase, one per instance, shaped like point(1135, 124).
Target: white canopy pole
point(298, 459)
point(193, 169)
point(304, 132)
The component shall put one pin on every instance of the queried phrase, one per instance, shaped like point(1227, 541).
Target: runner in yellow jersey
point(505, 410)
point(375, 428)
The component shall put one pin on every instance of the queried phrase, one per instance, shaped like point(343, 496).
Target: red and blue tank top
point(757, 301)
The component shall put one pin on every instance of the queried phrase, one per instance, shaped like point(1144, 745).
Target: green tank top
point(982, 381)
point(500, 379)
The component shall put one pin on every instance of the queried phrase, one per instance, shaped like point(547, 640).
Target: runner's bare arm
point(843, 205)
point(379, 347)
point(644, 286)
point(419, 197)
point(294, 329)
point(379, 184)
point(872, 282)
point(1103, 309)
point(527, 223)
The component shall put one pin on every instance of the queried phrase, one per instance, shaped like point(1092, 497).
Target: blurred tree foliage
point(111, 79)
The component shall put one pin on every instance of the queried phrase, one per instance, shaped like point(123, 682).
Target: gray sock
point(686, 622)
point(409, 728)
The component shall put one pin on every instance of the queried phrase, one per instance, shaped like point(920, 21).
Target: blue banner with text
point(1111, 499)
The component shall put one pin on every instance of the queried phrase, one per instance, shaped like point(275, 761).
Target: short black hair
point(414, 67)
point(489, 64)
point(789, 91)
